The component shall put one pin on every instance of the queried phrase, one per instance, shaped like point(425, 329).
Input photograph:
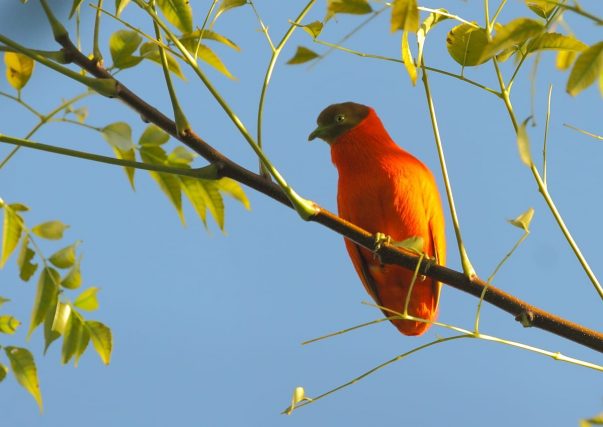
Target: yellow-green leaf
point(191, 40)
point(8, 324)
point(512, 34)
point(226, 5)
point(118, 135)
point(120, 5)
point(313, 28)
point(302, 54)
point(74, 7)
point(127, 155)
point(24, 368)
point(18, 69)
point(153, 135)
point(87, 300)
point(46, 297)
point(64, 258)
point(73, 278)
point(414, 244)
point(542, 8)
point(405, 16)
point(51, 230)
point(466, 44)
point(409, 63)
point(208, 56)
point(234, 190)
point(587, 68)
point(3, 300)
point(178, 12)
point(431, 21)
point(523, 143)
point(204, 194)
point(101, 339)
point(523, 220)
point(11, 233)
point(151, 52)
point(555, 41)
point(26, 255)
point(3, 372)
point(181, 156)
point(61, 317)
point(354, 7)
point(565, 59)
point(75, 339)
point(123, 44)
point(58, 314)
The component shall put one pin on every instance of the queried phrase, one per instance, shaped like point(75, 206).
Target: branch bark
point(526, 314)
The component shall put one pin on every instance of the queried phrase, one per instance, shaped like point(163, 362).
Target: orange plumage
point(383, 188)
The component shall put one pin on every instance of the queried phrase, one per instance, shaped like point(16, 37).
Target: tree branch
point(526, 314)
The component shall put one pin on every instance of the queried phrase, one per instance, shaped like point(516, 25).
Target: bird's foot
point(380, 240)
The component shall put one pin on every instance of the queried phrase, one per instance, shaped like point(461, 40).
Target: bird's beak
point(319, 132)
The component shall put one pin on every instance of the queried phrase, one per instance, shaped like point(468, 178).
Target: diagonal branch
point(523, 312)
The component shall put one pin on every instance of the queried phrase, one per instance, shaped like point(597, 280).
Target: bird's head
point(337, 119)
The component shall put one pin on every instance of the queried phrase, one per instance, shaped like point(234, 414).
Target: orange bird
point(384, 189)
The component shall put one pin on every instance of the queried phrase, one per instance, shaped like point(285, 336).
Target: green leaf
point(466, 44)
point(65, 257)
point(523, 144)
point(11, 233)
point(87, 300)
point(74, 7)
point(302, 54)
point(46, 297)
point(168, 183)
point(313, 28)
point(233, 189)
point(409, 63)
point(191, 40)
point(181, 156)
point(75, 338)
point(73, 278)
point(208, 55)
point(542, 8)
point(226, 5)
point(565, 59)
point(431, 21)
point(587, 68)
point(51, 230)
point(120, 5)
point(18, 69)
point(24, 368)
point(512, 34)
point(523, 220)
point(555, 41)
point(59, 315)
point(8, 324)
point(101, 339)
point(118, 135)
point(204, 195)
point(405, 16)
point(153, 135)
point(414, 244)
point(18, 207)
point(127, 155)
point(178, 12)
point(354, 7)
point(3, 300)
point(151, 52)
point(3, 372)
point(26, 255)
point(123, 44)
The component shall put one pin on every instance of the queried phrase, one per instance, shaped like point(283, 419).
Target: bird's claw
point(380, 240)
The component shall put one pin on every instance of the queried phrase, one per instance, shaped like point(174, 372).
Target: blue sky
point(207, 325)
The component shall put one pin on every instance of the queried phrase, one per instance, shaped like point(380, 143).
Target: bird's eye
point(339, 118)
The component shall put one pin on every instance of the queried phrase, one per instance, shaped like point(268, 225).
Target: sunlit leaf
point(18, 69)
point(555, 41)
point(58, 314)
point(204, 194)
point(414, 244)
point(3, 300)
point(512, 34)
point(405, 16)
point(153, 135)
point(354, 7)
point(431, 21)
point(587, 68)
point(73, 278)
point(123, 44)
point(466, 44)
point(542, 8)
point(8, 324)
point(181, 156)
point(234, 190)
point(523, 220)
point(61, 317)
point(523, 144)
point(64, 258)
point(12, 228)
point(302, 54)
point(313, 28)
point(24, 260)
point(75, 338)
point(151, 52)
point(191, 40)
point(51, 230)
point(3, 372)
point(208, 56)
point(74, 7)
point(118, 135)
point(127, 155)
point(24, 368)
point(46, 296)
point(409, 63)
point(87, 300)
point(120, 5)
point(565, 59)
point(178, 12)
point(299, 395)
point(101, 339)
point(226, 5)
